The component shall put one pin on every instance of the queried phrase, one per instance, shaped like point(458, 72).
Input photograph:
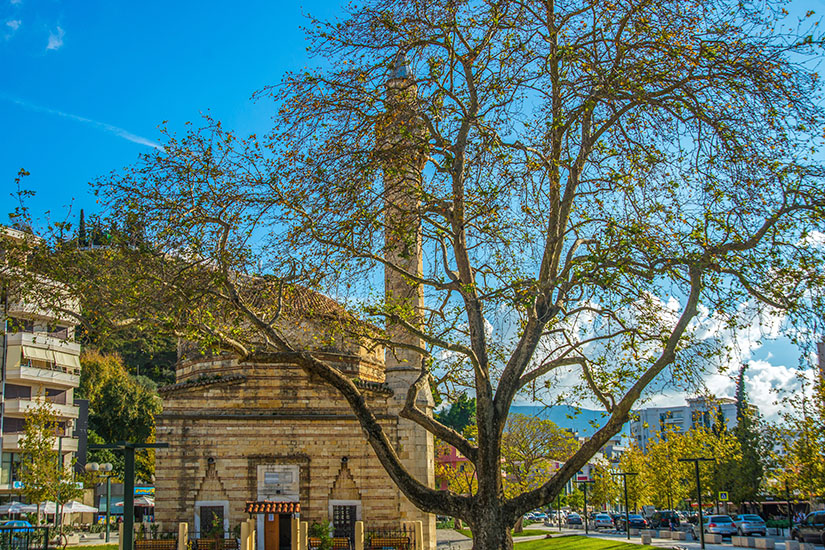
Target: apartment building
point(40, 361)
point(699, 411)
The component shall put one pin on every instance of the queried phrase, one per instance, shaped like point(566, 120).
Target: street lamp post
point(790, 512)
point(128, 449)
point(626, 505)
point(584, 488)
point(696, 462)
point(106, 471)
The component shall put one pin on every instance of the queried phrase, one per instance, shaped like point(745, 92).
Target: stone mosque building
point(264, 438)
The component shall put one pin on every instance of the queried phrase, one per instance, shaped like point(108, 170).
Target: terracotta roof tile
point(272, 507)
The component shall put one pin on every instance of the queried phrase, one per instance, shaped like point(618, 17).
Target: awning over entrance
point(272, 507)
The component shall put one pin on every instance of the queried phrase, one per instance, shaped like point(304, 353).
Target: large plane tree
point(592, 183)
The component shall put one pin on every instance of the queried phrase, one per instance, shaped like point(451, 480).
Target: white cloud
point(14, 24)
point(56, 39)
point(15, 2)
point(120, 132)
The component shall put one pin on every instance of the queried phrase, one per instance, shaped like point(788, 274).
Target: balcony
point(35, 358)
point(20, 406)
point(53, 377)
point(11, 443)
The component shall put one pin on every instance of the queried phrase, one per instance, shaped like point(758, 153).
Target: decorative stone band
point(272, 507)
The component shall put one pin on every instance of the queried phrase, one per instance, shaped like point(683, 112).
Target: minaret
point(401, 143)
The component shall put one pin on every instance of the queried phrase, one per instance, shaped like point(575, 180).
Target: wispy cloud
point(120, 132)
point(16, 2)
point(14, 24)
point(56, 39)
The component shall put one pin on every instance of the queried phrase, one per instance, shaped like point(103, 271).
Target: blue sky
point(85, 85)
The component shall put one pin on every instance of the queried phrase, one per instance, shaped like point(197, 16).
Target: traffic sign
point(723, 496)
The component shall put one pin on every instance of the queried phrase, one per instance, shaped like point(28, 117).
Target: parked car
point(664, 519)
point(539, 516)
point(750, 524)
point(603, 521)
point(615, 517)
point(636, 522)
point(718, 525)
point(17, 526)
point(811, 529)
point(574, 519)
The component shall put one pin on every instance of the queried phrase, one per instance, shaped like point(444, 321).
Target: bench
point(383, 543)
point(338, 543)
point(160, 544)
point(209, 544)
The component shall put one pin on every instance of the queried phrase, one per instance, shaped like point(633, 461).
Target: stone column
point(401, 141)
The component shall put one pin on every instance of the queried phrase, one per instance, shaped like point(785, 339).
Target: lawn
point(578, 542)
point(525, 533)
point(96, 546)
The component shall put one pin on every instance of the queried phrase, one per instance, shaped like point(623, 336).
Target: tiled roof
point(380, 387)
point(272, 507)
point(205, 381)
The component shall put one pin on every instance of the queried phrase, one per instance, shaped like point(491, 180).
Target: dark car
point(664, 519)
point(810, 529)
point(574, 519)
point(636, 522)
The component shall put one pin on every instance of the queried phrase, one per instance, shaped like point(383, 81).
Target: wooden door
point(271, 531)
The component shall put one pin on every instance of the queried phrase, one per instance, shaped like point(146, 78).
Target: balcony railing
point(11, 442)
point(19, 406)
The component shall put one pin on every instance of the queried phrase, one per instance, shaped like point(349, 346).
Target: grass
point(577, 542)
point(525, 533)
point(95, 546)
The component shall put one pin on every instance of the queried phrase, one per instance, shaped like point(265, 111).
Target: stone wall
point(221, 428)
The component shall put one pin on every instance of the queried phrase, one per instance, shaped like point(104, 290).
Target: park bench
point(160, 544)
point(386, 542)
point(211, 544)
point(338, 543)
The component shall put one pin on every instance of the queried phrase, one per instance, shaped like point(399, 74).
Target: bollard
point(296, 533)
point(359, 535)
point(419, 535)
point(244, 536)
point(183, 536)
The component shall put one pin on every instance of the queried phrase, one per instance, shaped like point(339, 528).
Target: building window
point(11, 467)
point(211, 519)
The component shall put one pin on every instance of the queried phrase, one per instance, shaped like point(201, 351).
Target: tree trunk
point(519, 525)
point(491, 532)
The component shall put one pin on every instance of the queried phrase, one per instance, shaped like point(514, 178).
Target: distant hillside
point(584, 421)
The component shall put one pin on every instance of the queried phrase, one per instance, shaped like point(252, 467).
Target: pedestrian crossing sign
point(723, 496)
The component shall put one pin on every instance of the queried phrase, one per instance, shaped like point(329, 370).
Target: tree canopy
point(588, 182)
point(121, 408)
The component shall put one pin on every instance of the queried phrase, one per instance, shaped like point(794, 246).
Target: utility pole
point(696, 462)
point(128, 449)
point(626, 506)
point(584, 488)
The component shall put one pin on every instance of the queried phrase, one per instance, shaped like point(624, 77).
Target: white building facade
point(699, 411)
point(40, 361)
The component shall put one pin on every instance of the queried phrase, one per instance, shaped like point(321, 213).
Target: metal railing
point(24, 538)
